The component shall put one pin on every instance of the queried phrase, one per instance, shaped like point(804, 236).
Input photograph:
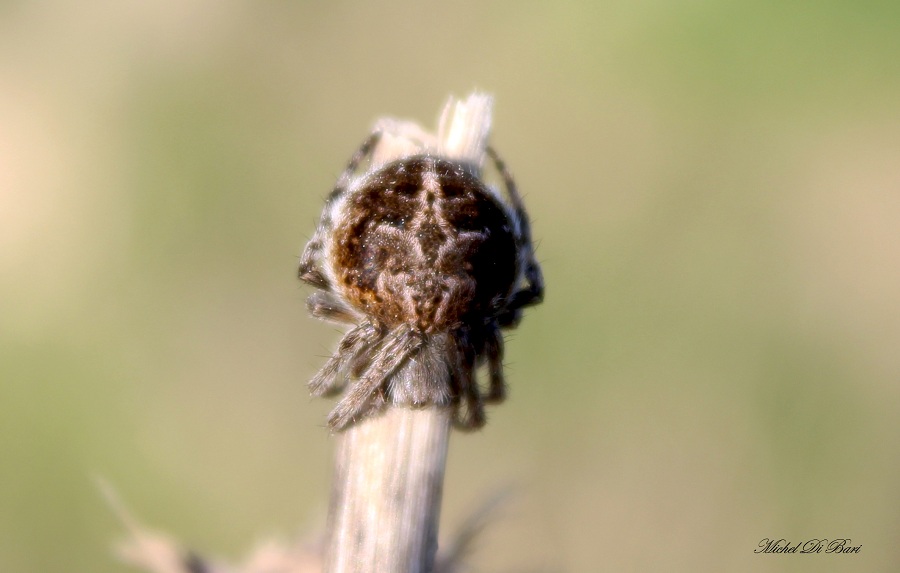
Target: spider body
point(422, 242)
point(427, 263)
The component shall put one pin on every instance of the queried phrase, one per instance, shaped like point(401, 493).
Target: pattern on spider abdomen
point(423, 242)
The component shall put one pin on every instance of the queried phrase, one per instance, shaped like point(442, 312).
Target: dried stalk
point(386, 496)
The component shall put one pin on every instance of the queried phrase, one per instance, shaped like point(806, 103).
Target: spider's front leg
point(532, 294)
point(470, 416)
point(328, 306)
point(493, 349)
point(309, 270)
point(399, 346)
point(331, 379)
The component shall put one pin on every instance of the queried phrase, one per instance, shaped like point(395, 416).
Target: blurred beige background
point(716, 191)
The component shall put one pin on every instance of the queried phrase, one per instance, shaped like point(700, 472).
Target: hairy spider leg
point(533, 292)
point(309, 271)
point(468, 407)
point(493, 350)
point(328, 306)
point(400, 344)
point(331, 379)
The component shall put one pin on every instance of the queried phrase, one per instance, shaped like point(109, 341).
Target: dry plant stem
point(386, 503)
point(389, 469)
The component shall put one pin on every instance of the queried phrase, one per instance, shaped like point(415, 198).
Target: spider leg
point(309, 271)
point(328, 306)
point(400, 345)
point(533, 293)
point(331, 379)
point(472, 417)
point(493, 348)
point(515, 198)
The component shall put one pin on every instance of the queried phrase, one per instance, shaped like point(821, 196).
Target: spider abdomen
point(422, 241)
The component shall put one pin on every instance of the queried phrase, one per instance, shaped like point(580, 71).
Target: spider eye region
point(422, 241)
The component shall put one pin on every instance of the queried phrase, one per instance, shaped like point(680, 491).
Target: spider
point(427, 263)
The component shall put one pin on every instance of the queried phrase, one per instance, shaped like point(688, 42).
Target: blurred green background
point(715, 187)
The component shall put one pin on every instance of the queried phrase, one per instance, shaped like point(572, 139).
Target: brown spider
point(427, 263)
